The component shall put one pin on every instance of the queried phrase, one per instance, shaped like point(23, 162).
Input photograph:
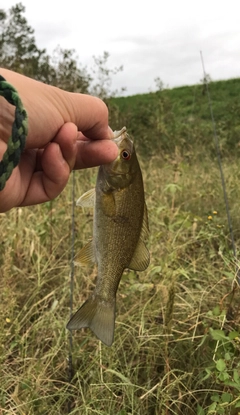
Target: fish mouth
point(118, 140)
point(121, 135)
point(117, 134)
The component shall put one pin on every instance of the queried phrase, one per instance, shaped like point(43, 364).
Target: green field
point(177, 336)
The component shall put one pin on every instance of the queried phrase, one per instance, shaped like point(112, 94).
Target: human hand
point(65, 131)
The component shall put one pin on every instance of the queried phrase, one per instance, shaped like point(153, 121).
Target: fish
point(120, 232)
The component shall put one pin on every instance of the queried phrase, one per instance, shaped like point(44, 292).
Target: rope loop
point(17, 140)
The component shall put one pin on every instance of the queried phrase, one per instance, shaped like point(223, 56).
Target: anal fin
point(86, 256)
point(141, 257)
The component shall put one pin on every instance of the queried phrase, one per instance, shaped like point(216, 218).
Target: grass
point(180, 117)
point(176, 348)
point(177, 338)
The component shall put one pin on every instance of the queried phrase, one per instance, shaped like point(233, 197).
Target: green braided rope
point(16, 142)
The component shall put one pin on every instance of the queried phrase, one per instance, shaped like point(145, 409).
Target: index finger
point(49, 108)
point(90, 114)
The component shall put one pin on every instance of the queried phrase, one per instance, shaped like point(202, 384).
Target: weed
point(176, 348)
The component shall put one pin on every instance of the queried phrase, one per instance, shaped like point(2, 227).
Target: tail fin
point(99, 316)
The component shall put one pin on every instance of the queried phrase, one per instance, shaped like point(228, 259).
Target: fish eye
point(125, 155)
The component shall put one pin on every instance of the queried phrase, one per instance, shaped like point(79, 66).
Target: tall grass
point(176, 348)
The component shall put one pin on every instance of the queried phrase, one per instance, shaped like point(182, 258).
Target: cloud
point(55, 33)
point(175, 57)
point(147, 39)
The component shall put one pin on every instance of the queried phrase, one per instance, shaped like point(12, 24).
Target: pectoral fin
point(141, 257)
point(108, 204)
point(86, 255)
point(87, 199)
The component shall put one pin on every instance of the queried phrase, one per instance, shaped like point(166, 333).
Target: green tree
point(68, 74)
point(102, 77)
point(18, 49)
point(19, 52)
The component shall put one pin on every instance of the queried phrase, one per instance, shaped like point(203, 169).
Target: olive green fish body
point(120, 214)
point(119, 230)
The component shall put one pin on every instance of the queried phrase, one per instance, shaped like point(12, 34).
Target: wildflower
point(8, 320)
point(209, 217)
point(215, 212)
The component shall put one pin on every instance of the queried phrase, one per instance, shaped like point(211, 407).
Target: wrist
point(7, 112)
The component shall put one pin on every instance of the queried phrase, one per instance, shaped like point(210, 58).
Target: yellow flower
point(8, 320)
point(209, 217)
point(215, 212)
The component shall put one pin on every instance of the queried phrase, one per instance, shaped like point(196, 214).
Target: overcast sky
point(150, 38)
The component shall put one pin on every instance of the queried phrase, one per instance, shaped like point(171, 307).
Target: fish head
point(120, 172)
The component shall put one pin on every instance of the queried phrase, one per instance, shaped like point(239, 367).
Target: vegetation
point(19, 52)
point(180, 117)
point(177, 338)
point(176, 348)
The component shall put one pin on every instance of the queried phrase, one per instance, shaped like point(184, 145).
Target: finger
point(49, 108)
point(94, 153)
point(48, 183)
point(110, 135)
point(89, 113)
point(66, 138)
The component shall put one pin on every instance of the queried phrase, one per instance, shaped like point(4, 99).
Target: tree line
point(19, 52)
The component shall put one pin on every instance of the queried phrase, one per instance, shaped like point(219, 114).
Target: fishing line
point(216, 141)
point(71, 285)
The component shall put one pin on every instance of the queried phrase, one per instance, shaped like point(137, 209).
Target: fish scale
point(119, 234)
point(120, 228)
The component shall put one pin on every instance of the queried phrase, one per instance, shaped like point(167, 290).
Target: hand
point(66, 131)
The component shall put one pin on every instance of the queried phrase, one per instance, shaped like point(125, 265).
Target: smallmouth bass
point(120, 228)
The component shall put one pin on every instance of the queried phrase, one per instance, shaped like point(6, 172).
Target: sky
point(151, 39)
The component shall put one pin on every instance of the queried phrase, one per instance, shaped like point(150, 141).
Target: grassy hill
point(176, 348)
point(181, 117)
